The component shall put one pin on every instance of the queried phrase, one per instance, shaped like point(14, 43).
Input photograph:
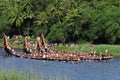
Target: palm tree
point(13, 14)
point(27, 8)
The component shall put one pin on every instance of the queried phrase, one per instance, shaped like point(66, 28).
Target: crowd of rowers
point(68, 56)
point(43, 51)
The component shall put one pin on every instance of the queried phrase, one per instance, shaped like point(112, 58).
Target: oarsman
point(100, 56)
point(94, 54)
point(106, 51)
point(25, 43)
point(39, 45)
point(26, 46)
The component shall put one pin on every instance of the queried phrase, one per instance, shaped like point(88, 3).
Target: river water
point(85, 70)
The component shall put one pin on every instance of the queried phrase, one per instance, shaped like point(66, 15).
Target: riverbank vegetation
point(17, 75)
point(112, 49)
point(96, 21)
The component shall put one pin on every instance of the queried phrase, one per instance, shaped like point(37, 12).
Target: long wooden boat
point(55, 56)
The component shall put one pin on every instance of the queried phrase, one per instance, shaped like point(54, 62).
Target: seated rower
point(25, 47)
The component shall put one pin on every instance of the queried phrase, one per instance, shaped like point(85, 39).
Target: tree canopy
point(96, 21)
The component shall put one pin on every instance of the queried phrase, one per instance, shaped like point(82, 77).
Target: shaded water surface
point(64, 71)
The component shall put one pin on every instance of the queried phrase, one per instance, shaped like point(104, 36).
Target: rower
point(38, 45)
point(94, 54)
point(100, 56)
point(25, 46)
point(106, 52)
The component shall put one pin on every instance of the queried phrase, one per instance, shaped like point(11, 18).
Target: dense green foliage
point(96, 21)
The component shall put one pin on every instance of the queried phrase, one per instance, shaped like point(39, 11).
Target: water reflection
point(65, 71)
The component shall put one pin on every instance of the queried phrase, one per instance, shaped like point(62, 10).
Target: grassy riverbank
point(112, 49)
point(15, 75)
point(86, 47)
